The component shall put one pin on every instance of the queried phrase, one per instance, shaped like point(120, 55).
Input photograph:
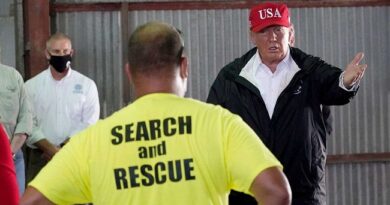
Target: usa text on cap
point(268, 14)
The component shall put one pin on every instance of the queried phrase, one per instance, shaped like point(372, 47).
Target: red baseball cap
point(268, 14)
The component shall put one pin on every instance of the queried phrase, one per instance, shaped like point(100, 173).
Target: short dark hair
point(154, 47)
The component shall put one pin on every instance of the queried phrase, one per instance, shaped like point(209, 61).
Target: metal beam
point(215, 5)
point(36, 32)
point(358, 158)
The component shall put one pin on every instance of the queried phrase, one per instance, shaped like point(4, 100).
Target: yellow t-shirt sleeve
point(65, 180)
point(247, 156)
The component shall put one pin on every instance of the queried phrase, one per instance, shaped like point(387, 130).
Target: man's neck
point(272, 64)
point(145, 86)
point(57, 75)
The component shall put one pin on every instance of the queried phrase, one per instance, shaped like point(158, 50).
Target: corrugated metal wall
point(215, 37)
point(336, 34)
point(7, 33)
point(362, 126)
point(212, 38)
point(358, 184)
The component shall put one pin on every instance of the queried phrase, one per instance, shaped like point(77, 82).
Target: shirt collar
point(65, 77)
point(255, 65)
point(260, 66)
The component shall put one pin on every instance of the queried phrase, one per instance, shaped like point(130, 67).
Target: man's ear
point(184, 67)
point(291, 35)
point(47, 54)
point(71, 52)
point(252, 37)
point(128, 73)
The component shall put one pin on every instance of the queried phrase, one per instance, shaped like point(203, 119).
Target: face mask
point(60, 63)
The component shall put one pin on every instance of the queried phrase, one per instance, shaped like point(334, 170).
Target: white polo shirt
point(62, 108)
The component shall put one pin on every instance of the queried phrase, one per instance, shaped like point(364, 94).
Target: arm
point(24, 121)
point(354, 72)
point(48, 149)
point(271, 187)
point(65, 179)
point(38, 140)
point(90, 110)
point(17, 142)
point(33, 196)
point(347, 82)
point(215, 93)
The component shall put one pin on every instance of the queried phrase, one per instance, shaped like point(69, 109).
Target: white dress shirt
point(62, 108)
point(270, 84)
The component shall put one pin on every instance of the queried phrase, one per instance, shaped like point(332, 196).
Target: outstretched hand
point(354, 72)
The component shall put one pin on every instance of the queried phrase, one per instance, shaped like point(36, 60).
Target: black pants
point(34, 163)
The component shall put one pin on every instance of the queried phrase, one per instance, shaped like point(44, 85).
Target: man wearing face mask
point(64, 102)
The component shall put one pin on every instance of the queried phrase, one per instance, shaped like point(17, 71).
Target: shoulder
point(305, 61)
point(6, 68)
point(38, 78)
point(77, 75)
point(234, 68)
point(212, 111)
point(81, 78)
point(8, 71)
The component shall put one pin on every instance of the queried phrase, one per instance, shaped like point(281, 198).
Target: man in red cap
point(279, 91)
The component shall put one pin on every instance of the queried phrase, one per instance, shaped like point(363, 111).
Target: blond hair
point(57, 36)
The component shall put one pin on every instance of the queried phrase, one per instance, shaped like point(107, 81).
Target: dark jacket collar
point(304, 61)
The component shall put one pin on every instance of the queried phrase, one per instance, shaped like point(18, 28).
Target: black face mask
point(60, 63)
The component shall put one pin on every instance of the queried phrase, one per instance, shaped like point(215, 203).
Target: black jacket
point(296, 133)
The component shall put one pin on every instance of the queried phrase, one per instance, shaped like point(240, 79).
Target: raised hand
point(354, 72)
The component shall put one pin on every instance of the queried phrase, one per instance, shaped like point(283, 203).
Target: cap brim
point(263, 26)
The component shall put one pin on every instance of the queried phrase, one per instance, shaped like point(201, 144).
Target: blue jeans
point(19, 168)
